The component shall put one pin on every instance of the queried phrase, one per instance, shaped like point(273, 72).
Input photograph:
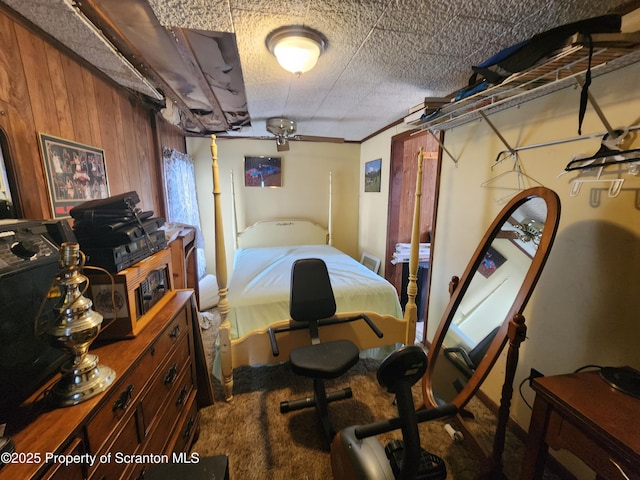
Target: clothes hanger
point(516, 170)
point(593, 173)
point(609, 153)
point(607, 157)
point(593, 167)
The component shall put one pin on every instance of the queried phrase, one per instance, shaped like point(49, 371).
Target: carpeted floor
point(262, 443)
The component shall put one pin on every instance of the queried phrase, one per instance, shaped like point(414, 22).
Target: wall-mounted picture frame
point(76, 173)
point(372, 175)
point(491, 262)
point(262, 171)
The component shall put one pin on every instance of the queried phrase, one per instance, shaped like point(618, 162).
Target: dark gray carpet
point(262, 443)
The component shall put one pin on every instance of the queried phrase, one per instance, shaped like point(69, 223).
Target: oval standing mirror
point(495, 286)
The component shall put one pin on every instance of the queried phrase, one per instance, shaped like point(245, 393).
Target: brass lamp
point(75, 327)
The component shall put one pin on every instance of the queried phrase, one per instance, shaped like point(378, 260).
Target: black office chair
point(467, 362)
point(313, 305)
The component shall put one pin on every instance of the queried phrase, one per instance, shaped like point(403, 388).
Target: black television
point(28, 266)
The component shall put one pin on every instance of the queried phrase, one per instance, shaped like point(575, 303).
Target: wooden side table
point(581, 413)
point(184, 262)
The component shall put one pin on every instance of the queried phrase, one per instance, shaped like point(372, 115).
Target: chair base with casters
point(312, 306)
point(356, 454)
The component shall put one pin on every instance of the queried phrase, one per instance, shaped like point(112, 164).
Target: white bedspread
point(261, 278)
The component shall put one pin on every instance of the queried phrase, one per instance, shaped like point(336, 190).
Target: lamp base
point(625, 379)
point(82, 382)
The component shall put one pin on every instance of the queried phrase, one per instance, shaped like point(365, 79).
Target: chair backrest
point(311, 293)
point(477, 353)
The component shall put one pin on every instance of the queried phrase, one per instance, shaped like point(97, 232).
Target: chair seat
point(324, 360)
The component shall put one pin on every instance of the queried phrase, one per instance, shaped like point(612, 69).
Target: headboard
point(278, 233)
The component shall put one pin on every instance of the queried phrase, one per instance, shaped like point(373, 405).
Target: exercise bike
point(357, 454)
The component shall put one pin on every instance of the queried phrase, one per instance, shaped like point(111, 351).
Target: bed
point(260, 283)
point(257, 297)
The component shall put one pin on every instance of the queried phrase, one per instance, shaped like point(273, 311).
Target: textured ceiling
point(383, 56)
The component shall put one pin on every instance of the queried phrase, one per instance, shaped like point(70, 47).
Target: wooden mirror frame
point(531, 278)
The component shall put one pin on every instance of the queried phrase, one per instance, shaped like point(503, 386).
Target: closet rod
point(557, 142)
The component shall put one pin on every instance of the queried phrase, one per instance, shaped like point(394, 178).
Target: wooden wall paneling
point(143, 160)
point(60, 97)
point(39, 85)
point(44, 88)
point(111, 135)
point(144, 157)
point(79, 100)
point(170, 135)
point(150, 156)
point(9, 59)
point(128, 161)
point(18, 124)
point(155, 153)
point(93, 109)
point(157, 133)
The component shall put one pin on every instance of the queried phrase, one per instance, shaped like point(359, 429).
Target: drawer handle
point(171, 374)
point(182, 396)
point(124, 400)
point(189, 427)
point(142, 474)
point(175, 333)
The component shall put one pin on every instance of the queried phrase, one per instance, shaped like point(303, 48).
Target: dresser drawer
point(119, 402)
point(177, 328)
point(116, 456)
point(121, 398)
point(189, 428)
point(165, 421)
point(165, 382)
point(73, 471)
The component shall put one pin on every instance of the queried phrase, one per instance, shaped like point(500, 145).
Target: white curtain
point(180, 197)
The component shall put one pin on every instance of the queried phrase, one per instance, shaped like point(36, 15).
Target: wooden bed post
point(411, 309)
point(221, 276)
point(330, 220)
point(234, 217)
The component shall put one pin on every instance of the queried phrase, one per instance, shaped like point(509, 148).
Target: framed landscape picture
point(75, 173)
point(372, 175)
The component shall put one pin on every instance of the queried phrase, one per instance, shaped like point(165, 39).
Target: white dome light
point(297, 48)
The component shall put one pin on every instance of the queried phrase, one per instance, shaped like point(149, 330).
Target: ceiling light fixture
point(296, 47)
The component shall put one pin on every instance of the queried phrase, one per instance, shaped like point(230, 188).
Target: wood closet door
point(402, 187)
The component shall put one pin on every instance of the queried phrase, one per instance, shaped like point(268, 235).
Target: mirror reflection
point(489, 297)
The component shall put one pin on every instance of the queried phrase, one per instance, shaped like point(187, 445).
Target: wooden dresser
point(150, 412)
